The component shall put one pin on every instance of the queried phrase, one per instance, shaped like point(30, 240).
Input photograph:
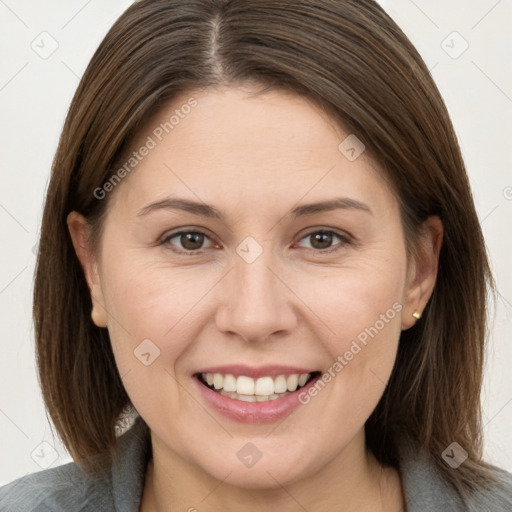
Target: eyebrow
point(205, 210)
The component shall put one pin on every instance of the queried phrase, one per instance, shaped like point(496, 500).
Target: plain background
point(35, 92)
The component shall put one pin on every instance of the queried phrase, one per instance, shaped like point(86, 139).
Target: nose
point(258, 303)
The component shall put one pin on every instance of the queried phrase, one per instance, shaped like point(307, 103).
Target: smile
point(248, 389)
point(250, 395)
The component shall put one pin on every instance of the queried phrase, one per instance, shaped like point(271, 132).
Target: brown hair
point(348, 56)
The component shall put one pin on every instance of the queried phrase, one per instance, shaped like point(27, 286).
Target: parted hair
point(353, 60)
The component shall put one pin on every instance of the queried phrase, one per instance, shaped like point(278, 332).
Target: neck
point(354, 478)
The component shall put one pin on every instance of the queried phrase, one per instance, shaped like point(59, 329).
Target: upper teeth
point(264, 386)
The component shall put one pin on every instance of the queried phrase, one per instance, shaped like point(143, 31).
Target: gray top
point(66, 489)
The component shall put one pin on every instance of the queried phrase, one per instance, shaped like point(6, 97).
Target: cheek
point(154, 315)
point(155, 310)
point(360, 313)
point(153, 299)
point(359, 301)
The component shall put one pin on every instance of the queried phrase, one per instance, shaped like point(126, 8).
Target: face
point(253, 333)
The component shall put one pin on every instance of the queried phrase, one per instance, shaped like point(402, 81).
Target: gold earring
point(416, 315)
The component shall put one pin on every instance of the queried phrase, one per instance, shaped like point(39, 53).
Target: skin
point(255, 158)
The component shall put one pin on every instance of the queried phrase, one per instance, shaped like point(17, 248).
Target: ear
point(422, 270)
point(79, 229)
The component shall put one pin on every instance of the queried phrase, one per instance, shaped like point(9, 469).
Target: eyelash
point(345, 240)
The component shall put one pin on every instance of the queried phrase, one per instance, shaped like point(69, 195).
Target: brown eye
point(322, 240)
point(191, 241)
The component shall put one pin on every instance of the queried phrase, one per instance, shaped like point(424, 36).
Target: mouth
point(265, 388)
point(251, 395)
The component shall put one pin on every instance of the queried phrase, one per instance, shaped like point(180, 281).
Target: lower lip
point(253, 412)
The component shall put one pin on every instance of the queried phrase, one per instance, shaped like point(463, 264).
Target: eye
point(322, 240)
point(191, 241)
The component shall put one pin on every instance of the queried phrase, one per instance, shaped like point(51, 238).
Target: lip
point(251, 371)
point(252, 412)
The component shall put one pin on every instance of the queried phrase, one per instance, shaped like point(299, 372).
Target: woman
point(259, 236)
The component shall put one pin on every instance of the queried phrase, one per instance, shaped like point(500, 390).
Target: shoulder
point(68, 487)
point(495, 499)
point(427, 491)
point(57, 489)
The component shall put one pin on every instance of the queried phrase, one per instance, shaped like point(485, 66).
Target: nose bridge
point(257, 302)
point(256, 281)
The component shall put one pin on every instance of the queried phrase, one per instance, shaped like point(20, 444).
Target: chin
point(264, 473)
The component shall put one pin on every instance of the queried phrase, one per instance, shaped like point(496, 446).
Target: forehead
point(235, 145)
